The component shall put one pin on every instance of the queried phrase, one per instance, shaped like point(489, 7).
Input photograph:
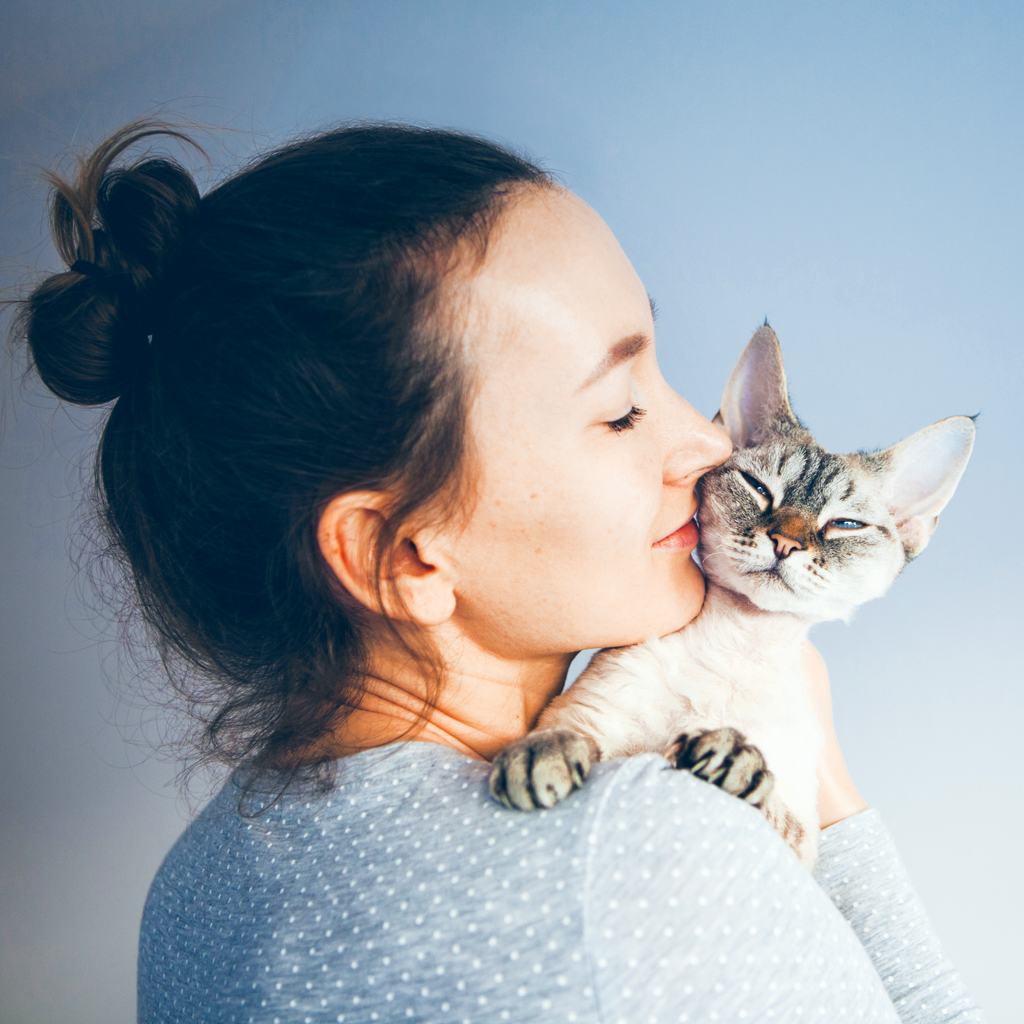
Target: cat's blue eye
point(757, 485)
point(629, 421)
point(847, 524)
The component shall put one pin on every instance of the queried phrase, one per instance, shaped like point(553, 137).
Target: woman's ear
point(348, 535)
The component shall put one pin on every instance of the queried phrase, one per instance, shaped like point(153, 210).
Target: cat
point(790, 535)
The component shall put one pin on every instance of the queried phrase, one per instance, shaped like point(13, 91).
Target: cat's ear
point(755, 402)
point(923, 473)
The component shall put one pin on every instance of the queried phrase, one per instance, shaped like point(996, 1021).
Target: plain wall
point(852, 171)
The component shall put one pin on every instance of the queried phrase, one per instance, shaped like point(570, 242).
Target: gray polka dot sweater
point(407, 894)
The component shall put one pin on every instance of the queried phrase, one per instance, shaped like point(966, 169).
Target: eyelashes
point(758, 487)
point(629, 421)
point(764, 497)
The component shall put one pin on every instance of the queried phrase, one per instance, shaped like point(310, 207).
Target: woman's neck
point(482, 705)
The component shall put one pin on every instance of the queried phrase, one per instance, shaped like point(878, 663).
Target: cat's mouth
point(772, 572)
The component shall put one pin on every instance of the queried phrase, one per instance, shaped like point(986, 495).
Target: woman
point(390, 445)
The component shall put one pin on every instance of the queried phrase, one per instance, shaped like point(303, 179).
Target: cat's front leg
point(619, 706)
point(725, 759)
point(542, 768)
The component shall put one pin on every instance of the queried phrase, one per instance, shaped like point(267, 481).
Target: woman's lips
point(685, 537)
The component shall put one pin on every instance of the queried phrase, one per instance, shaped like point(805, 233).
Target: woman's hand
point(837, 795)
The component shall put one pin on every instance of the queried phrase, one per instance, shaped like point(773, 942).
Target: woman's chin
point(656, 607)
point(686, 599)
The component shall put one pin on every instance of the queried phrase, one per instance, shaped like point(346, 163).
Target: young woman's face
point(582, 529)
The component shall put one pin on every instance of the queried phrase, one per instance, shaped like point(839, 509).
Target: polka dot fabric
point(407, 894)
point(863, 874)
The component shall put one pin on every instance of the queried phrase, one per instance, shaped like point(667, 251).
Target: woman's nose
point(696, 446)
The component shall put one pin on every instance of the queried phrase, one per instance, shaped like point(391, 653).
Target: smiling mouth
point(685, 538)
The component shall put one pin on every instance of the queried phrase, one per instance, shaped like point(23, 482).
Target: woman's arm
point(696, 910)
point(863, 875)
point(837, 795)
point(693, 905)
point(861, 872)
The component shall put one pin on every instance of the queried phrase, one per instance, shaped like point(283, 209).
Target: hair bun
point(87, 327)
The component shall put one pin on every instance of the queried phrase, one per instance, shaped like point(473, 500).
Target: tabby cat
point(790, 535)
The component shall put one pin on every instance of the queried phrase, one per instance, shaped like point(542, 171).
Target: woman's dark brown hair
point(266, 347)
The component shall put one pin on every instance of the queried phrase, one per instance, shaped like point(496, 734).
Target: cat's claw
point(542, 768)
point(725, 759)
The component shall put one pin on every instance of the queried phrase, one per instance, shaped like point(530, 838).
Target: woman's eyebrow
point(622, 350)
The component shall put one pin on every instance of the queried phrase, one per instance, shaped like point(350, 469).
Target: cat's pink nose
point(785, 546)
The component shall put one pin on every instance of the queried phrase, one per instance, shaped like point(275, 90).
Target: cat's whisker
point(707, 557)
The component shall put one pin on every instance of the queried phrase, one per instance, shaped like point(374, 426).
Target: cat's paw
point(724, 758)
point(542, 768)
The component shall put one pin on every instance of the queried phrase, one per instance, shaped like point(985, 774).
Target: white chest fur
point(734, 666)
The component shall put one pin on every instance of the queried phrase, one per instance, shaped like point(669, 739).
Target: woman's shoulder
point(442, 796)
point(409, 859)
point(643, 806)
point(421, 812)
point(429, 807)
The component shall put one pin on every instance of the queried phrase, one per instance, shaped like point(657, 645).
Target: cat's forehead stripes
point(809, 476)
point(816, 485)
point(790, 456)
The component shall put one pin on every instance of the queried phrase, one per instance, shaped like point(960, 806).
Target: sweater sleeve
point(863, 875)
point(695, 910)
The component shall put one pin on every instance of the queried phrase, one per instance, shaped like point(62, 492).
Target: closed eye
point(756, 486)
point(847, 524)
point(629, 421)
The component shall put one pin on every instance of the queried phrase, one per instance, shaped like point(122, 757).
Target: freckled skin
point(566, 557)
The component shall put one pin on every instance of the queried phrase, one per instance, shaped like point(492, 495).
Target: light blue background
point(852, 171)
